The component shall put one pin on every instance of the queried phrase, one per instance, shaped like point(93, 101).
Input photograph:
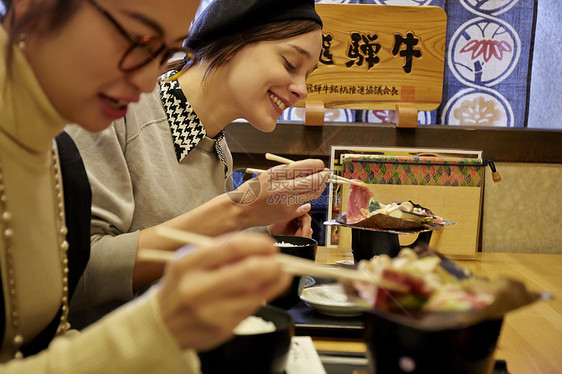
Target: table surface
point(531, 337)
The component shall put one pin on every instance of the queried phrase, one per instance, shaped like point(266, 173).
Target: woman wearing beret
point(168, 156)
point(84, 61)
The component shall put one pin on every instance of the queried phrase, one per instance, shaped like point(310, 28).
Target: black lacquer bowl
point(265, 353)
point(295, 246)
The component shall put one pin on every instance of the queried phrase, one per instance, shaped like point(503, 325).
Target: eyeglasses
point(142, 49)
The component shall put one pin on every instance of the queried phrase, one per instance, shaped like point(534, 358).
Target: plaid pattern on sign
point(418, 171)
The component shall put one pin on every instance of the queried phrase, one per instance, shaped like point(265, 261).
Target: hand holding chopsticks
point(278, 199)
point(205, 293)
point(291, 264)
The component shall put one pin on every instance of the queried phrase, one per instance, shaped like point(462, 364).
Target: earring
point(21, 41)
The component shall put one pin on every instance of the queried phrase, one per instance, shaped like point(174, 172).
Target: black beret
point(227, 17)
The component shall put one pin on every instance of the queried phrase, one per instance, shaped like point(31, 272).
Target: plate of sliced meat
point(364, 211)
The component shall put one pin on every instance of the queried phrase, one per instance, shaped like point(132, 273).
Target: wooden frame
point(455, 203)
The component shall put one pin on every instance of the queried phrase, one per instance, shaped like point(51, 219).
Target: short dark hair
point(218, 51)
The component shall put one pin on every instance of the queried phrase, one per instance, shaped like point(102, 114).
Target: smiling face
point(77, 65)
point(265, 78)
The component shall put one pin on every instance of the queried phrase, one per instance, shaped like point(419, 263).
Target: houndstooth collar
point(187, 130)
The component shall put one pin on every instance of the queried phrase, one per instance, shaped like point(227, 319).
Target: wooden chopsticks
point(255, 171)
point(182, 236)
point(333, 178)
point(339, 179)
point(281, 160)
point(291, 264)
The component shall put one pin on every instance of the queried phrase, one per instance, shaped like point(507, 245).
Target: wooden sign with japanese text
point(378, 56)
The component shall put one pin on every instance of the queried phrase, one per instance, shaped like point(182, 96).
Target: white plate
point(330, 299)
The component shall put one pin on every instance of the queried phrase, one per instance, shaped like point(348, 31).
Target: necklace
point(8, 235)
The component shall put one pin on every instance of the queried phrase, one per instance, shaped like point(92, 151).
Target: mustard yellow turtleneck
point(29, 124)
point(131, 340)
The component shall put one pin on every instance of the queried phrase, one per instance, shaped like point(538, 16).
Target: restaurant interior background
point(501, 94)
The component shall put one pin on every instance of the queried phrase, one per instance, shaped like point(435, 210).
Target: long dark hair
point(218, 51)
point(52, 13)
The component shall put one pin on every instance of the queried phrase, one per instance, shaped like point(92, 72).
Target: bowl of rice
point(295, 246)
point(260, 344)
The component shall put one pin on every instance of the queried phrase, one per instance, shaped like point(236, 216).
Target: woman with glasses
point(167, 163)
point(84, 61)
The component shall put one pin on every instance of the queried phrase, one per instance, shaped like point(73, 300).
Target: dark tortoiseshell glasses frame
point(142, 48)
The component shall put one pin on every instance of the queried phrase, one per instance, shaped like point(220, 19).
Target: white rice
point(285, 244)
point(254, 325)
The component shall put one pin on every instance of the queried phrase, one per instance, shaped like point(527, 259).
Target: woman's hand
point(207, 291)
point(301, 225)
point(278, 195)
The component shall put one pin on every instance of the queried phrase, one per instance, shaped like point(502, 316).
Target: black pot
point(303, 248)
point(367, 243)
point(394, 347)
point(254, 354)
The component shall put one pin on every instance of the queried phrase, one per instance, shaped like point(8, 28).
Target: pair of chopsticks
point(333, 178)
point(290, 264)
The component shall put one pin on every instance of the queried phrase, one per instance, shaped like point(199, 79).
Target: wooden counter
point(531, 337)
